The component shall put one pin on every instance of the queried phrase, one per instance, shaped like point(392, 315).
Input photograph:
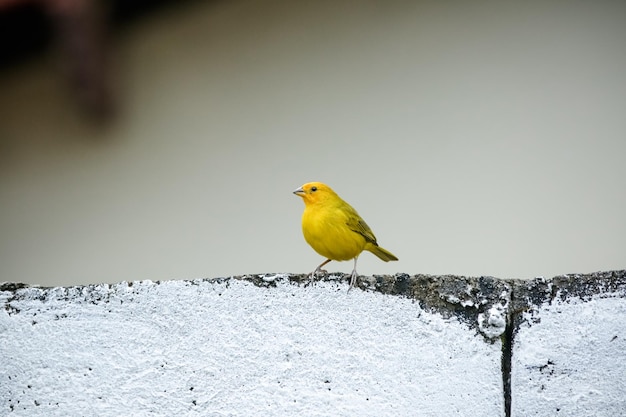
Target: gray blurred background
point(475, 138)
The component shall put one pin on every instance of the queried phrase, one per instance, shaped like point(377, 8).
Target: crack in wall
point(507, 357)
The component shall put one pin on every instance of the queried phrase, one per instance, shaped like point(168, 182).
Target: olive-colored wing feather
point(358, 225)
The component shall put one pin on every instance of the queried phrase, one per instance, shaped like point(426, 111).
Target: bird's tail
point(383, 254)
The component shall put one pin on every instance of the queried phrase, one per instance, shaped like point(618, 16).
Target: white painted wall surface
point(233, 349)
point(569, 359)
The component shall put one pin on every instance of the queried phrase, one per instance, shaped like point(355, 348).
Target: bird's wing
point(358, 225)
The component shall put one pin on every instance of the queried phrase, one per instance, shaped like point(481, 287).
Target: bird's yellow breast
point(325, 229)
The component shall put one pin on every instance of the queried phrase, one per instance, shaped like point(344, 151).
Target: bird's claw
point(318, 271)
point(313, 276)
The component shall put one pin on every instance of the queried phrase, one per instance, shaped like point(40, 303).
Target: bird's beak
point(299, 192)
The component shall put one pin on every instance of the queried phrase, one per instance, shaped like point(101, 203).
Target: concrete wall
point(273, 344)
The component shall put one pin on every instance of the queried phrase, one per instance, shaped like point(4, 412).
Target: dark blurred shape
point(28, 27)
point(122, 12)
point(80, 28)
point(25, 31)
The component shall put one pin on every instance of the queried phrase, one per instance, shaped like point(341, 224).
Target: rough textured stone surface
point(569, 346)
point(475, 300)
point(227, 347)
point(532, 347)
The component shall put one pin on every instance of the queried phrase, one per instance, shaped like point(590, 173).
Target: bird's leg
point(353, 276)
point(318, 269)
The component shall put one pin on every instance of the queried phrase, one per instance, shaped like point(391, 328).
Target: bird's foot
point(353, 278)
point(319, 271)
point(314, 275)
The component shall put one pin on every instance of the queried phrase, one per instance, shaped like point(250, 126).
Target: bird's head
point(315, 192)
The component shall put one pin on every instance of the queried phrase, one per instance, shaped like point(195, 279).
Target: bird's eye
point(313, 189)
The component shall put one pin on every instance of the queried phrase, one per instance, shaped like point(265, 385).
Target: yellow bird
point(334, 229)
